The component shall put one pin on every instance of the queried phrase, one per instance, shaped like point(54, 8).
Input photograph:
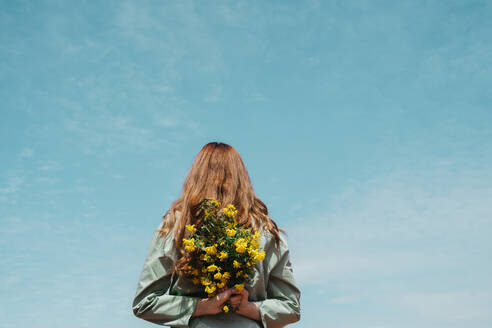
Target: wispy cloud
point(416, 236)
point(14, 180)
point(112, 134)
point(447, 307)
point(49, 165)
point(26, 152)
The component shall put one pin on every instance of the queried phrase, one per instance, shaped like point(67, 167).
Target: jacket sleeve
point(282, 305)
point(151, 302)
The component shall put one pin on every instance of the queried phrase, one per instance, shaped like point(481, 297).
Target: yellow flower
point(205, 281)
point(196, 281)
point(221, 284)
point(241, 248)
point(231, 232)
point(226, 275)
point(260, 256)
point(212, 268)
point(218, 275)
point(245, 275)
point(204, 269)
point(215, 202)
point(189, 241)
point(189, 244)
point(252, 252)
point(230, 210)
point(240, 241)
point(225, 308)
point(239, 286)
point(210, 289)
point(211, 250)
point(223, 255)
point(256, 235)
point(236, 264)
point(190, 248)
point(240, 272)
point(233, 224)
point(195, 272)
point(191, 228)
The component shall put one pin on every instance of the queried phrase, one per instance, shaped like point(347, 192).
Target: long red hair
point(218, 172)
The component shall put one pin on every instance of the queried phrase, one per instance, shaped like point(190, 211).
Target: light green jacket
point(170, 301)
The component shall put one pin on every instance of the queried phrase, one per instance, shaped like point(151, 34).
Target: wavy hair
point(218, 172)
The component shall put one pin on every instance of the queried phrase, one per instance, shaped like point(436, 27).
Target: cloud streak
point(411, 241)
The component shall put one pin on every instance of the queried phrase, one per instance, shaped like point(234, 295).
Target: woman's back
point(272, 296)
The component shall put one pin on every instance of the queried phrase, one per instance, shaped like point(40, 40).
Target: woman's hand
point(243, 306)
point(214, 304)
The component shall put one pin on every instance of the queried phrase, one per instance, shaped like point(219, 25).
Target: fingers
point(227, 294)
point(224, 295)
point(225, 291)
point(242, 292)
point(244, 295)
point(235, 300)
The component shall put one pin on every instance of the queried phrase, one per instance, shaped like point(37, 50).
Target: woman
point(165, 297)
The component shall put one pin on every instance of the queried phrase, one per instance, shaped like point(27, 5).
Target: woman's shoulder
point(269, 240)
point(163, 242)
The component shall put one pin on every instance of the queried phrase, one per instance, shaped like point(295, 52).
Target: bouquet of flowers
point(222, 254)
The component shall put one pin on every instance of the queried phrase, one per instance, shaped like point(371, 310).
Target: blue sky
point(365, 127)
